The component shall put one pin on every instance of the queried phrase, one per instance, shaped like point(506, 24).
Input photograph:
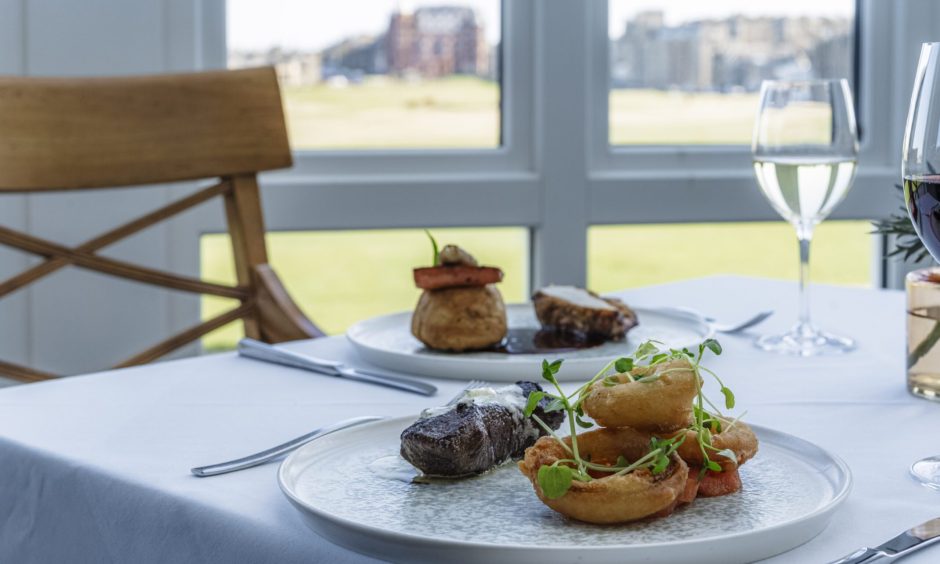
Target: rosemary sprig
point(556, 479)
point(908, 245)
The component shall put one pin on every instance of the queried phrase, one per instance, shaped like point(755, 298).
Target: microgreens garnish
point(436, 261)
point(555, 480)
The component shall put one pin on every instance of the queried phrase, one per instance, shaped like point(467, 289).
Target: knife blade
point(250, 348)
point(915, 538)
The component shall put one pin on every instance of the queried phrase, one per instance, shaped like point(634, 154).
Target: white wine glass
point(805, 149)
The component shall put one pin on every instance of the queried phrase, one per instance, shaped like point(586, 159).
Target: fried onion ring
point(612, 499)
point(659, 406)
point(739, 438)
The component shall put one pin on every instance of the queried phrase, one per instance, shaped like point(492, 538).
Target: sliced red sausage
point(437, 277)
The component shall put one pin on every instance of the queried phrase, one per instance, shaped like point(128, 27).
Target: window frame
point(557, 173)
point(513, 155)
point(717, 180)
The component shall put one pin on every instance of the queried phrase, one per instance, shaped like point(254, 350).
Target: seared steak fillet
point(482, 430)
point(571, 309)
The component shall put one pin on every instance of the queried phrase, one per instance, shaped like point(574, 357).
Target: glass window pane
point(688, 72)
point(341, 277)
point(377, 74)
point(626, 256)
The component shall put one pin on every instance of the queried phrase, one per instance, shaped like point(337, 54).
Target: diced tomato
point(691, 488)
point(714, 484)
point(437, 277)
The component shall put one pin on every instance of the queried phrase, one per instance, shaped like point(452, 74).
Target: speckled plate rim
point(398, 546)
point(501, 369)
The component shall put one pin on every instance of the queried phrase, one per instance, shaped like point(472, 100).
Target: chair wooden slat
point(280, 317)
point(68, 133)
point(246, 228)
point(83, 133)
point(116, 267)
point(51, 265)
point(23, 373)
point(188, 336)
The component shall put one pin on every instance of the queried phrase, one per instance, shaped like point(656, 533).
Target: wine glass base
point(805, 341)
point(927, 472)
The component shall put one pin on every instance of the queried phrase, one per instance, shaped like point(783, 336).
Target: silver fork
point(275, 452)
point(741, 326)
point(472, 385)
point(731, 328)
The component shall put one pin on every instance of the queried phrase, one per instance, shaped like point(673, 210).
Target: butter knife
point(251, 348)
point(900, 546)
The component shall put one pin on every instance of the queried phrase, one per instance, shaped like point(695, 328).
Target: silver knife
point(900, 546)
point(251, 348)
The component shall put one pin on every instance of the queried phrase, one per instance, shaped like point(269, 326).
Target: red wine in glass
point(922, 197)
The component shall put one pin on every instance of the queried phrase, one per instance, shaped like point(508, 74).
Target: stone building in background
point(355, 56)
point(436, 41)
point(294, 68)
point(431, 42)
point(728, 54)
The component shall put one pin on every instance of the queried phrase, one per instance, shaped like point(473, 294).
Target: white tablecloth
point(95, 468)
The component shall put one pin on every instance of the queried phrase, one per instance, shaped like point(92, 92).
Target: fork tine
point(471, 385)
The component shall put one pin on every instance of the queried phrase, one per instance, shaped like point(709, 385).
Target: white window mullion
point(560, 240)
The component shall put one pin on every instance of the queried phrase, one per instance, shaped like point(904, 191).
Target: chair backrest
point(68, 133)
point(81, 133)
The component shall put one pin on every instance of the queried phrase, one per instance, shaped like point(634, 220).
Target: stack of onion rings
point(661, 403)
point(634, 409)
point(611, 499)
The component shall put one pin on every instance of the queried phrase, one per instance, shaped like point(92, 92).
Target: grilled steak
point(484, 429)
point(576, 310)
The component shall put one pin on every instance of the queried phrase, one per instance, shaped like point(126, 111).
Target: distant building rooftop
point(444, 20)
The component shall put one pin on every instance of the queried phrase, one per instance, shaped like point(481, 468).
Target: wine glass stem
point(805, 238)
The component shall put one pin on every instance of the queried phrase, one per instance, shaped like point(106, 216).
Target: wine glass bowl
point(921, 153)
point(919, 162)
point(805, 148)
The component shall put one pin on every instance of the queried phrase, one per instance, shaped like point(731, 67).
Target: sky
point(678, 11)
point(314, 24)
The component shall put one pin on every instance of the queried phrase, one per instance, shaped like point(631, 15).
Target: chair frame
point(250, 102)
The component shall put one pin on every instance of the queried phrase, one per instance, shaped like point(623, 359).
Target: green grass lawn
point(386, 113)
point(653, 117)
point(464, 112)
point(342, 277)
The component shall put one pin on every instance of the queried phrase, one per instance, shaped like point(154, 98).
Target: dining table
point(96, 468)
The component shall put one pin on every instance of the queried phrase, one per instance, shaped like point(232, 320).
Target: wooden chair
point(82, 133)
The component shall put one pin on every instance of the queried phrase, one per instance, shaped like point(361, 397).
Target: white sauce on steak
point(511, 397)
point(576, 296)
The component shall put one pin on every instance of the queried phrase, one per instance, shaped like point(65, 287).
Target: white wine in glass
point(805, 149)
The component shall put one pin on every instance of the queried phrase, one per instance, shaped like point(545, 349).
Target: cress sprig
point(436, 261)
point(556, 479)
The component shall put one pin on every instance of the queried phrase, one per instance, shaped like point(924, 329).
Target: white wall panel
point(82, 321)
point(94, 37)
point(14, 318)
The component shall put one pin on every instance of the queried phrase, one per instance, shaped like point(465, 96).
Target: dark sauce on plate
point(530, 340)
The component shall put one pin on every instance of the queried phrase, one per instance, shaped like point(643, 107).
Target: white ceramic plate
point(387, 341)
point(789, 494)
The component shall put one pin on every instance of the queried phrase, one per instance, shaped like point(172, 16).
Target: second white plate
point(387, 341)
